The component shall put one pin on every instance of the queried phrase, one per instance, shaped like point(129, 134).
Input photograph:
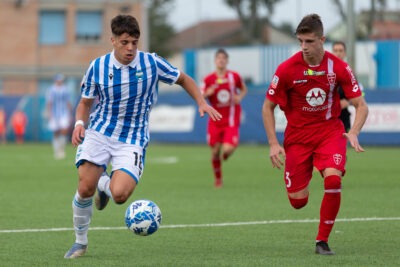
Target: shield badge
point(331, 78)
point(337, 158)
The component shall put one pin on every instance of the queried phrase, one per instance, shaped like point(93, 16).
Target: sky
point(186, 13)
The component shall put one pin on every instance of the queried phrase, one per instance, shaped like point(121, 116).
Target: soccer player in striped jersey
point(59, 112)
point(126, 83)
point(306, 88)
point(221, 88)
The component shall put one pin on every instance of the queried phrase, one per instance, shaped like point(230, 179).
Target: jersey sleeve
point(238, 80)
point(278, 87)
point(349, 83)
point(165, 71)
point(88, 85)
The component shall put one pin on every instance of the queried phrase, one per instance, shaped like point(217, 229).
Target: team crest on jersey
point(275, 81)
point(337, 158)
point(139, 76)
point(331, 78)
point(110, 76)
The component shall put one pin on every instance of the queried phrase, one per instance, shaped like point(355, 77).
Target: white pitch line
point(209, 224)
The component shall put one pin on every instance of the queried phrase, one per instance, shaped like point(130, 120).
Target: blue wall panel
point(387, 59)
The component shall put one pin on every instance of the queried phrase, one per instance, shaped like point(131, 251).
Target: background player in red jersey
point(305, 88)
point(220, 87)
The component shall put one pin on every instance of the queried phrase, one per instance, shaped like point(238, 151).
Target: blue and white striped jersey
point(59, 98)
point(126, 94)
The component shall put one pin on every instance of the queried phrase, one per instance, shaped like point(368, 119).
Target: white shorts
point(56, 124)
point(100, 150)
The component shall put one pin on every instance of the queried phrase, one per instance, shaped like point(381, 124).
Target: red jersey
point(222, 99)
point(309, 94)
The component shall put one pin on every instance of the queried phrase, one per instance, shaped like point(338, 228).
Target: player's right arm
point(269, 124)
point(82, 114)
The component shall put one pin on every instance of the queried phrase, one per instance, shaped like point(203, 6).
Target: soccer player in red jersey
point(221, 89)
point(305, 88)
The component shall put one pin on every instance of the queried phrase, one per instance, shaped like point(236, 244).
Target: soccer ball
point(143, 217)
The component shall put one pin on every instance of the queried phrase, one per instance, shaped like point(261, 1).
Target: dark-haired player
point(305, 88)
point(126, 82)
point(225, 90)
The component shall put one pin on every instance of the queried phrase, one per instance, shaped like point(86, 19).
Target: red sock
point(216, 163)
point(329, 207)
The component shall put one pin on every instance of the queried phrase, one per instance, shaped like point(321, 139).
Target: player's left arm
point(361, 116)
point(191, 88)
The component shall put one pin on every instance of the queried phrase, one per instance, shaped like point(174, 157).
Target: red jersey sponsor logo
point(331, 78)
point(299, 81)
point(223, 96)
point(271, 91)
point(316, 97)
point(337, 158)
point(355, 88)
point(275, 81)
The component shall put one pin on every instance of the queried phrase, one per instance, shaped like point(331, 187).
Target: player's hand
point(275, 152)
point(237, 99)
point(206, 108)
point(77, 135)
point(210, 90)
point(353, 140)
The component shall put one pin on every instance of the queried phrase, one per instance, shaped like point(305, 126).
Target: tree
point(248, 13)
point(160, 30)
point(372, 16)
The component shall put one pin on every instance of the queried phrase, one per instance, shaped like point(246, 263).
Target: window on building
point(88, 26)
point(52, 27)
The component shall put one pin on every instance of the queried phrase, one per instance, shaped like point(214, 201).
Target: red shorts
point(19, 130)
point(326, 149)
point(222, 134)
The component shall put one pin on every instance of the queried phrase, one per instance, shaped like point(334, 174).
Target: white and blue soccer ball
point(143, 217)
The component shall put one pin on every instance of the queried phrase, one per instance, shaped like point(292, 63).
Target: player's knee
point(298, 203)
point(332, 182)
point(120, 196)
point(86, 190)
point(120, 199)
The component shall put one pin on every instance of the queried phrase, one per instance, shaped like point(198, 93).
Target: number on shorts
point(138, 158)
point(289, 182)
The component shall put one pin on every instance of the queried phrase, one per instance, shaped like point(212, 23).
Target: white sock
point(55, 144)
point(63, 142)
point(83, 210)
point(104, 184)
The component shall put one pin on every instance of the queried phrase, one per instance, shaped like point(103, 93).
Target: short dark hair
point(311, 24)
point(125, 24)
point(339, 43)
point(221, 51)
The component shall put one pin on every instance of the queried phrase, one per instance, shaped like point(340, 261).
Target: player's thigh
point(89, 175)
point(214, 134)
point(298, 167)
point(231, 138)
point(129, 159)
point(94, 149)
point(122, 185)
point(330, 156)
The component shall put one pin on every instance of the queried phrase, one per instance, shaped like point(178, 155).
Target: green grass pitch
point(36, 193)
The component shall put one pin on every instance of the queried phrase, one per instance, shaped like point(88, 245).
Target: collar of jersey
point(119, 65)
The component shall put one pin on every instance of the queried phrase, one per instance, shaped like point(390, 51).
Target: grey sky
point(188, 12)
